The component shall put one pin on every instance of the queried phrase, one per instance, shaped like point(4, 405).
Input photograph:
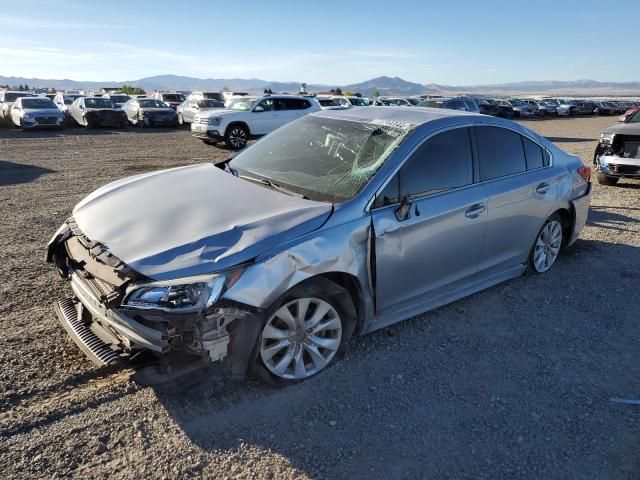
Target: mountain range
point(383, 85)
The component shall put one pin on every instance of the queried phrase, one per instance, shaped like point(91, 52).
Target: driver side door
point(265, 121)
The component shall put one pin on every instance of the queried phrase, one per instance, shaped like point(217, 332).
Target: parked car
point(8, 97)
point(625, 116)
point(618, 152)
point(330, 103)
point(357, 101)
point(173, 99)
point(585, 108)
point(93, 112)
point(36, 112)
point(540, 109)
point(118, 99)
point(63, 101)
point(392, 102)
point(564, 108)
point(603, 108)
point(522, 109)
point(250, 117)
point(487, 108)
point(505, 110)
point(206, 95)
point(149, 112)
point(187, 110)
point(337, 224)
point(463, 104)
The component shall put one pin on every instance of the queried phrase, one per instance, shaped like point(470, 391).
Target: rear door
point(521, 191)
point(428, 222)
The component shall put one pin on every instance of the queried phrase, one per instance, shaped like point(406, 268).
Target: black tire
point(324, 290)
point(236, 137)
point(543, 113)
point(531, 268)
point(607, 180)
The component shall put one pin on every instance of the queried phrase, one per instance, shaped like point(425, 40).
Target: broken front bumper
point(616, 166)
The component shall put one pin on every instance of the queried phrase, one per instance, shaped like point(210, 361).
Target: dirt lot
point(513, 382)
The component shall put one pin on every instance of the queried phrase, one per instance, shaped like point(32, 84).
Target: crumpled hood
point(193, 220)
point(624, 129)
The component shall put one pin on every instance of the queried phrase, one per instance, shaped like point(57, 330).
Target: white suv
point(250, 117)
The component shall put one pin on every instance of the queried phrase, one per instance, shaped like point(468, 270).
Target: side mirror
point(404, 210)
point(258, 109)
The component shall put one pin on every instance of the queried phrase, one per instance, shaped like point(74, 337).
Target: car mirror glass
point(258, 109)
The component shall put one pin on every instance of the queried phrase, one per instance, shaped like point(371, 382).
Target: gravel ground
point(513, 382)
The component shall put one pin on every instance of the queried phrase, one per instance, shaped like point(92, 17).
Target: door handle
point(475, 211)
point(543, 188)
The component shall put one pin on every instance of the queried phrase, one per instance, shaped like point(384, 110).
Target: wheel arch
point(238, 123)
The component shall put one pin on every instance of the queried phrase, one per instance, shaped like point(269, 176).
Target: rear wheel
point(607, 180)
point(236, 137)
point(547, 246)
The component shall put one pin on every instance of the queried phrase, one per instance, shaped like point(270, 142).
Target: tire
point(607, 180)
point(298, 345)
point(543, 113)
point(546, 247)
point(236, 137)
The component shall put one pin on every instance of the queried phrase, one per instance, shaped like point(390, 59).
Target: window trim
point(476, 164)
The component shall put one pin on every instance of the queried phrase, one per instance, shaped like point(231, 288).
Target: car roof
point(414, 116)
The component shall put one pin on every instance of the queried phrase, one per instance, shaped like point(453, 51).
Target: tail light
point(585, 173)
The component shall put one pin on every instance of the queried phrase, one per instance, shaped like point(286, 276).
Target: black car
point(505, 110)
point(603, 109)
point(486, 107)
point(585, 108)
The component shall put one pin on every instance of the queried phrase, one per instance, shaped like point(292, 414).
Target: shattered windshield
point(324, 159)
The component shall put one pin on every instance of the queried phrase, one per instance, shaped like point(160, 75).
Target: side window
point(443, 162)
point(536, 156)
point(500, 152)
point(267, 104)
point(389, 194)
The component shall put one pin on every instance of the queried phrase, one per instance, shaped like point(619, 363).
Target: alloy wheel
point(547, 246)
point(238, 138)
point(300, 338)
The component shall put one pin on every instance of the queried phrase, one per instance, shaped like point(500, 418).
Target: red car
point(628, 113)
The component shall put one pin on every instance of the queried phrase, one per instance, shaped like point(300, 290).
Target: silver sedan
point(189, 109)
point(337, 224)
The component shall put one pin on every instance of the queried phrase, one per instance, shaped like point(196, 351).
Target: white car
point(35, 112)
point(64, 100)
point(7, 98)
point(250, 117)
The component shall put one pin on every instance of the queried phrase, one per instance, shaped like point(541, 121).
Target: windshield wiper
point(275, 186)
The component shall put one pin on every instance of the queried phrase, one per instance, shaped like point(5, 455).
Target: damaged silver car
point(337, 224)
point(618, 152)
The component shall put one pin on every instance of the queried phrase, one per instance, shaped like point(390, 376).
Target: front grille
point(46, 120)
point(625, 169)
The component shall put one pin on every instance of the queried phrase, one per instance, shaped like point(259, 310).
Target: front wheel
point(547, 246)
point(301, 337)
point(236, 137)
point(607, 180)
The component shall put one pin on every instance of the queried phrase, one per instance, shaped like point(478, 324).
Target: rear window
point(500, 152)
point(173, 97)
point(11, 96)
point(536, 156)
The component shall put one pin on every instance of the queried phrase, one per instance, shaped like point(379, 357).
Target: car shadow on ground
point(73, 131)
point(612, 218)
point(15, 173)
point(468, 381)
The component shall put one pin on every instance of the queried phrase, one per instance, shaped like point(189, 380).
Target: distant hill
point(384, 85)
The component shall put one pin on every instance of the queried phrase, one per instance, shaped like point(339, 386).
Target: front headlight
point(607, 138)
point(215, 121)
point(182, 295)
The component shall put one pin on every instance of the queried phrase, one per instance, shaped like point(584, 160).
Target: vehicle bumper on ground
point(203, 132)
point(615, 166)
